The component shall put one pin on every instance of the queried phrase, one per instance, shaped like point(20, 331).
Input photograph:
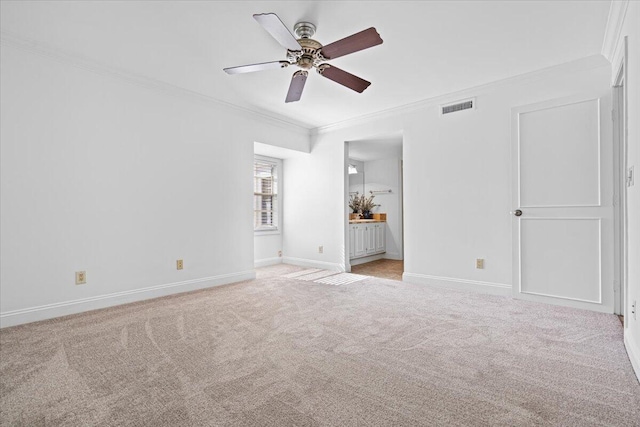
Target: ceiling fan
point(307, 53)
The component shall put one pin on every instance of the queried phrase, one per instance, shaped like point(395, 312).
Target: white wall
point(456, 178)
point(385, 174)
point(631, 30)
point(315, 206)
point(266, 248)
point(120, 180)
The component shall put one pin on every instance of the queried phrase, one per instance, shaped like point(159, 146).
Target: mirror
point(356, 177)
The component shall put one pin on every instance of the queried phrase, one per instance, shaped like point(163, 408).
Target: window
point(265, 194)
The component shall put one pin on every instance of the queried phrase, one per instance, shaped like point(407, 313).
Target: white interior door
point(562, 192)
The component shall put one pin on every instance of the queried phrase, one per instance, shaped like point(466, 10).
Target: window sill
point(266, 232)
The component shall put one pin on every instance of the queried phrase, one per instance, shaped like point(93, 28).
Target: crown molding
point(586, 63)
point(617, 13)
point(79, 61)
point(13, 40)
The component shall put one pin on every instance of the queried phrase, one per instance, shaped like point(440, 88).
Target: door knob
point(517, 212)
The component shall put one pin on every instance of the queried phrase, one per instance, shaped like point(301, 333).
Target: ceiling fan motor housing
point(310, 55)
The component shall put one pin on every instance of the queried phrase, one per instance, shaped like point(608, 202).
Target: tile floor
point(384, 268)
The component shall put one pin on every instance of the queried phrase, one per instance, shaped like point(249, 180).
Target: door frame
point(401, 179)
point(620, 141)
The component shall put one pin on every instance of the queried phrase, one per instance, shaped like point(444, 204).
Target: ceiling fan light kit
point(307, 53)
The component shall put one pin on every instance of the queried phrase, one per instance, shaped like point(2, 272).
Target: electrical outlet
point(320, 249)
point(634, 309)
point(630, 177)
point(480, 263)
point(81, 277)
point(179, 264)
point(279, 253)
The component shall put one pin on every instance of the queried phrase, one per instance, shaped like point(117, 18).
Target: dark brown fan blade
point(297, 84)
point(344, 78)
point(277, 29)
point(358, 41)
point(256, 67)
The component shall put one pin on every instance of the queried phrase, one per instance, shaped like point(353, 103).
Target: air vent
point(458, 106)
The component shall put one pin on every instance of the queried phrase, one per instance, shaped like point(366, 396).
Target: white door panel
point(561, 146)
point(359, 248)
point(381, 231)
point(352, 242)
point(562, 242)
point(370, 239)
point(561, 258)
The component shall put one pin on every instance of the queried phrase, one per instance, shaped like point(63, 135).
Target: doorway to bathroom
point(375, 239)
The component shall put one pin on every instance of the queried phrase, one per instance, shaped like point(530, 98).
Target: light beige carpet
point(279, 351)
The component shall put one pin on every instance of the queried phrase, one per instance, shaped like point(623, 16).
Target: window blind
point(265, 193)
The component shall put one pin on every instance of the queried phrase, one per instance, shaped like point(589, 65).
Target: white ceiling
point(430, 47)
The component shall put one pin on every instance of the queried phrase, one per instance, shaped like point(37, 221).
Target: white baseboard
point(49, 311)
point(313, 264)
point(633, 350)
point(366, 259)
point(267, 261)
point(393, 255)
point(461, 284)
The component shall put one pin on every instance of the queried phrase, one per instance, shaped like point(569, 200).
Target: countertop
point(365, 221)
